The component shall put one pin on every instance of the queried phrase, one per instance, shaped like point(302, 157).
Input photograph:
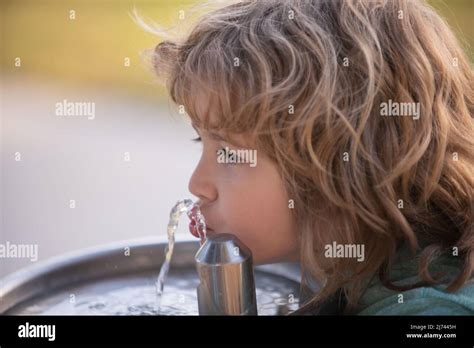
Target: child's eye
point(229, 158)
point(223, 151)
point(197, 139)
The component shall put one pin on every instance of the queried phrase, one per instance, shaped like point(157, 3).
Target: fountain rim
point(24, 279)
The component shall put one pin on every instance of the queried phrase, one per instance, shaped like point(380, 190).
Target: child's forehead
point(203, 110)
point(207, 115)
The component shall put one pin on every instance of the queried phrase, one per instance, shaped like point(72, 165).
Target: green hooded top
point(429, 300)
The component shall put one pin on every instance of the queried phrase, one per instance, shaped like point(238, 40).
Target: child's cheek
point(253, 230)
point(254, 208)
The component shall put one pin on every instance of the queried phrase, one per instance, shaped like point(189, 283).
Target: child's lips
point(193, 229)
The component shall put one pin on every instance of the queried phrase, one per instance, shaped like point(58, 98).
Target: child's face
point(249, 202)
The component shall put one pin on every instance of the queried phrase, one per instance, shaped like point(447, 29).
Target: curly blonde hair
point(304, 81)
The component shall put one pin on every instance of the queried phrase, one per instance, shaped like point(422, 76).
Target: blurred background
point(69, 182)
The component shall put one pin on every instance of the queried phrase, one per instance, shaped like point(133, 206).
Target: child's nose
point(201, 184)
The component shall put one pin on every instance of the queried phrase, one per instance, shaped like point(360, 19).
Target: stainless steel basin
point(119, 279)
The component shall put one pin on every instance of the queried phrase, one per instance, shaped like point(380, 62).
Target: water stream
point(198, 222)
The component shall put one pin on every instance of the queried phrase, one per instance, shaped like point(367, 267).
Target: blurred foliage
point(91, 48)
point(459, 14)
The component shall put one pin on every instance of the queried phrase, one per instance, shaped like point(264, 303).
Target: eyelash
point(227, 153)
point(198, 139)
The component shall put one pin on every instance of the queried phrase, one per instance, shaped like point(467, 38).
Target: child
point(358, 117)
